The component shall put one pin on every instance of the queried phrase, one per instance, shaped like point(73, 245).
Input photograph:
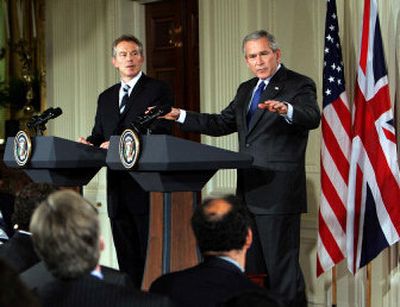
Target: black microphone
point(146, 119)
point(43, 118)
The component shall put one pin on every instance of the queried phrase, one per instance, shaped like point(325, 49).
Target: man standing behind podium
point(272, 114)
point(118, 106)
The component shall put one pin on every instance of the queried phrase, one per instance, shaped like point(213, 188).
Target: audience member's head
point(13, 293)
point(27, 200)
point(66, 234)
point(221, 225)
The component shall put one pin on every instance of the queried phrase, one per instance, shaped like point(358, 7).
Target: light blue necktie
point(255, 101)
point(124, 98)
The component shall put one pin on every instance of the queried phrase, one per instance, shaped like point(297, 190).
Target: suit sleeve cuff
point(182, 117)
point(289, 115)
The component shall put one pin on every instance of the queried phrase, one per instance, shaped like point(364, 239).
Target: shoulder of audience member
point(158, 299)
point(166, 282)
point(254, 298)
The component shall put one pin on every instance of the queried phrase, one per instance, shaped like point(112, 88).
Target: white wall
point(79, 36)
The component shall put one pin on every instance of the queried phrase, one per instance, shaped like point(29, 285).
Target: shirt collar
point(132, 82)
point(24, 232)
point(266, 81)
point(234, 262)
point(97, 274)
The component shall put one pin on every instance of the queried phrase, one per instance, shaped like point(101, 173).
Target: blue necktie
point(255, 101)
point(124, 98)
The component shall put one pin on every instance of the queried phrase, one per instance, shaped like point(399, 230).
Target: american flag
point(373, 216)
point(335, 150)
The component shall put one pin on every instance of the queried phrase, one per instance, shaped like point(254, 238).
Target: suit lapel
point(112, 107)
point(139, 87)
point(115, 98)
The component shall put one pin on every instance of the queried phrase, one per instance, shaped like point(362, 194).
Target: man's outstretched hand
point(274, 106)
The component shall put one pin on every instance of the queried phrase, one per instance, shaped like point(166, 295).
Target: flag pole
point(334, 287)
point(368, 285)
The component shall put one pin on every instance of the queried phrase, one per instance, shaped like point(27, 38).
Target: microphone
point(43, 118)
point(146, 119)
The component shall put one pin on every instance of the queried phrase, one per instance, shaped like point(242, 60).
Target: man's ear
point(114, 62)
point(102, 244)
point(249, 239)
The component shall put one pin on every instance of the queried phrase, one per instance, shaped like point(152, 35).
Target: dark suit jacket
point(121, 187)
point(19, 252)
point(277, 182)
point(7, 209)
point(90, 291)
point(147, 92)
point(37, 276)
point(207, 284)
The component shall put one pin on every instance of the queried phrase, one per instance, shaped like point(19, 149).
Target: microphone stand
point(38, 130)
point(139, 128)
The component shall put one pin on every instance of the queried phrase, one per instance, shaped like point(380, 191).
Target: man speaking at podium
point(272, 114)
point(118, 107)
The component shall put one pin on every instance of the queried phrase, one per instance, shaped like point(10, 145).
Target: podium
point(175, 170)
point(59, 161)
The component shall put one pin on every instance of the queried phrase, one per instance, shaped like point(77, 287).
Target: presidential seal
point(22, 148)
point(129, 148)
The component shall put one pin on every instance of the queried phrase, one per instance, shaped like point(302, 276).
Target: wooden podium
point(174, 170)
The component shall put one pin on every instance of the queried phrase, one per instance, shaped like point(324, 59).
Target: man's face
point(128, 60)
point(261, 59)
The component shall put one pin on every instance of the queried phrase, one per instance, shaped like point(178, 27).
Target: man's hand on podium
point(105, 145)
point(83, 141)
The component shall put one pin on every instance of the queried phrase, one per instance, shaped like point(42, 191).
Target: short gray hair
point(273, 44)
point(126, 38)
point(65, 232)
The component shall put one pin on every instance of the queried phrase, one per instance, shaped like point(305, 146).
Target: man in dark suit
point(66, 234)
point(118, 107)
point(38, 275)
point(18, 251)
point(12, 290)
point(272, 114)
point(6, 210)
point(223, 232)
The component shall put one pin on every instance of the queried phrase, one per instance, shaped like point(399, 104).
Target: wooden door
point(172, 41)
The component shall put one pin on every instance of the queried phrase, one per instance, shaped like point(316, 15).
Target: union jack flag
point(335, 150)
point(373, 213)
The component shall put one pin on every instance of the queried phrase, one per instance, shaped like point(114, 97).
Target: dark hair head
point(27, 200)
point(127, 38)
point(221, 225)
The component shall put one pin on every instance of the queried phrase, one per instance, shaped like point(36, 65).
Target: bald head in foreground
point(222, 228)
